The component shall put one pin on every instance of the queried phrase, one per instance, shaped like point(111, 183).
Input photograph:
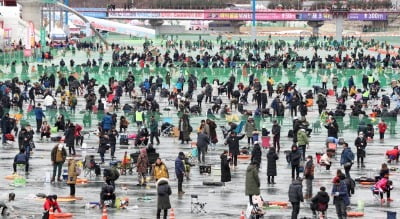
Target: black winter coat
point(303, 109)
point(225, 169)
point(276, 129)
point(70, 136)
point(256, 154)
point(295, 157)
point(361, 144)
point(163, 193)
point(333, 129)
point(320, 200)
point(271, 163)
point(296, 192)
point(233, 143)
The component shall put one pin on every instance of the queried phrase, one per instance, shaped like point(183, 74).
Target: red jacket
point(393, 152)
point(78, 129)
point(50, 203)
point(382, 127)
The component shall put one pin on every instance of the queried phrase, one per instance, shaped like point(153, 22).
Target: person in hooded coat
point(213, 133)
point(142, 165)
point(185, 129)
point(225, 169)
point(320, 202)
point(70, 139)
point(296, 196)
point(295, 159)
point(163, 193)
point(72, 176)
point(256, 153)
point(272, 157)
point(252, 181)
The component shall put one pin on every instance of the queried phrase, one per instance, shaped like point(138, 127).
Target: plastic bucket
point(391, 215)
point(360, 205)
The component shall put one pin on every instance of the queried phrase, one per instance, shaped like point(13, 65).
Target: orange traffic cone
point(242, 215)
point(104, 216)
point(172, 214)
point(51, 213)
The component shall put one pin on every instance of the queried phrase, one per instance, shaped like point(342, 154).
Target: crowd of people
point(118, 105)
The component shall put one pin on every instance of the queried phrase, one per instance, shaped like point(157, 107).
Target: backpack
point(112, 173)
point(107, 173)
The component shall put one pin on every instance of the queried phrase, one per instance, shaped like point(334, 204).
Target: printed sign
point(367, 16)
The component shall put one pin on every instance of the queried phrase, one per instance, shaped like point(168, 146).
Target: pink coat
point(382, 184)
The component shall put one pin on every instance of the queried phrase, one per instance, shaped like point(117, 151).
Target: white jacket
point(215, 87)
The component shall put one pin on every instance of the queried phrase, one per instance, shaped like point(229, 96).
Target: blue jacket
point(343, 195)
point(39, 113)
point(347, 156)
point(146, 85)
point(179, 167)
point(20, 158)
point(179, 85)
point(107, 122)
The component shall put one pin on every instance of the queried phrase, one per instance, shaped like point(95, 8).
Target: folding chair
point(196, 206)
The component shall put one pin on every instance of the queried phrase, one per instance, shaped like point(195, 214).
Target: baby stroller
point(166, 129)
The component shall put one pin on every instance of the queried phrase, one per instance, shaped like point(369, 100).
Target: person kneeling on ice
point(22, 159)
point(107, 196)
point(393, 155)
point(51, 202)
point(6, 206)
point(320, 202)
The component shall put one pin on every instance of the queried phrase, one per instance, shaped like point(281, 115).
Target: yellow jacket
point(160, 171)
point(352, 91)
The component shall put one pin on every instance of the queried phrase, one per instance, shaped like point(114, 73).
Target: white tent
point(115, 27)
point(57, 34)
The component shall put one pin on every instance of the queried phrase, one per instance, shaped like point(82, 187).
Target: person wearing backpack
point(320, 202)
